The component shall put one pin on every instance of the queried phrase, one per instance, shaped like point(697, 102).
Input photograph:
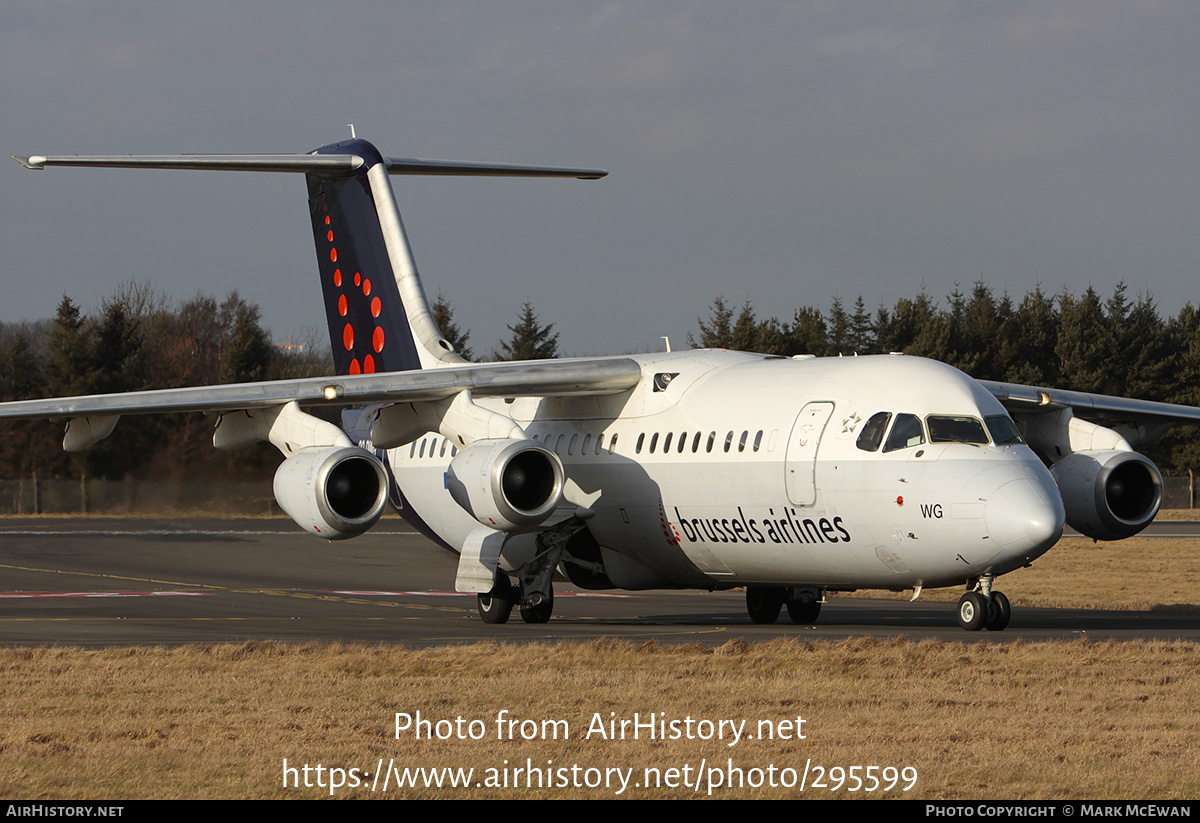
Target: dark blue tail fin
point(369, 325)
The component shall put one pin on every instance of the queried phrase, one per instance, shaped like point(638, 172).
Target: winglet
point(34, 162)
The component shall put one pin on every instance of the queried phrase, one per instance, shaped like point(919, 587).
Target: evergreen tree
point(807, 334)
point(770, 337)
point(69, 370)
point(862, 330)
point(530, 339)
point(978, 333)
point(1084, 343)
point(745, 331)
point(899, 329)
point(717, 333)
point(838, 339)
point(28, 448)
point(118, 352)
point(1029, 338)
point(1146, 353)
point(246, 356)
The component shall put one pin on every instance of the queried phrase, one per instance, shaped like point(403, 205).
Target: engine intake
point(511, 485)
point(334, 492)
point(1109, 495)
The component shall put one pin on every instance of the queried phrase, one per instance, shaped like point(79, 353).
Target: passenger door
point(800, 462)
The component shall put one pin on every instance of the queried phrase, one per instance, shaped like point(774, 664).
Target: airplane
point(790, 477)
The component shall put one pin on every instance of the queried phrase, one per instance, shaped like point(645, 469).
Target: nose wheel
point(977, 610)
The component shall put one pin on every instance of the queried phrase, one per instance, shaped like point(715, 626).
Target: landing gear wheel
point(496, 605)
point(999, 614)
point(804, 609)
point(541, 612)
point(763, 603)
point(972, 611)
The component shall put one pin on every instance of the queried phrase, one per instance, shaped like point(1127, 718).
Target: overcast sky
point(781, 152)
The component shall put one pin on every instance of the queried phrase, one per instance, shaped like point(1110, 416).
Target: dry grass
point(996, 721)
point(1042, 721)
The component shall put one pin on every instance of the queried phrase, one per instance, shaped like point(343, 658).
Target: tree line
point(140, 340)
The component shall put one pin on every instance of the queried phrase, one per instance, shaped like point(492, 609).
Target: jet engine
point(1108, 495)
point(510, 485)
point(334, 492)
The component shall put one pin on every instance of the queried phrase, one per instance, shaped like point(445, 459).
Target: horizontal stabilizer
point(413, 165)
point(323, 163)
point(331, 164)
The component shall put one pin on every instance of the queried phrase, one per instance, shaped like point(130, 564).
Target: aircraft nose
point(1021, 516)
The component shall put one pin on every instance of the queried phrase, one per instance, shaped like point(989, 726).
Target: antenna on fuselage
point(353, 136)
point(666, 340)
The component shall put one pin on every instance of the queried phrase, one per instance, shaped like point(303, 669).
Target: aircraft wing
point(590, 376)
point(1142, 421)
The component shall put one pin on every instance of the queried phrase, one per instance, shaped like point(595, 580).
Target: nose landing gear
point(984, 608)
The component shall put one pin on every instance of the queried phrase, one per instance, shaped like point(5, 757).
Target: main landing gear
point(984, 608)
point(534, 593)
point(765, 602)
point(496, 606)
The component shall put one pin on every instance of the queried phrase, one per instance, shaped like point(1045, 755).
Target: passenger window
point(574, 440)
point(641, 439)
point(612, 445)
point(758, 440)
point(558, 444)
point(742, 441)
point(653, 442)
point(872, 432)
point(587, 441)
point(696, 443)
point(712, 438)
point(906, 432)
point(682, 442)
point(728, 441)
point(667, 443)
point(947, 429)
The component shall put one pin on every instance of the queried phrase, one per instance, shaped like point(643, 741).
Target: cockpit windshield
point(948, 429)
point(872, 431)
point(1004, 431)
point(906, 432)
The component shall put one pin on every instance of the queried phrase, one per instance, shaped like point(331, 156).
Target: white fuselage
point(725, 469)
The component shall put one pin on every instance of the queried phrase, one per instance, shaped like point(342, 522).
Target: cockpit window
point(947, 429)
point(906, 432)
point(1004, 431)
point(872, 431)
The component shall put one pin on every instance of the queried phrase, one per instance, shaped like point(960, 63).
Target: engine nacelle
point(1108, 495)
point(510, 485)
point(334, 492)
